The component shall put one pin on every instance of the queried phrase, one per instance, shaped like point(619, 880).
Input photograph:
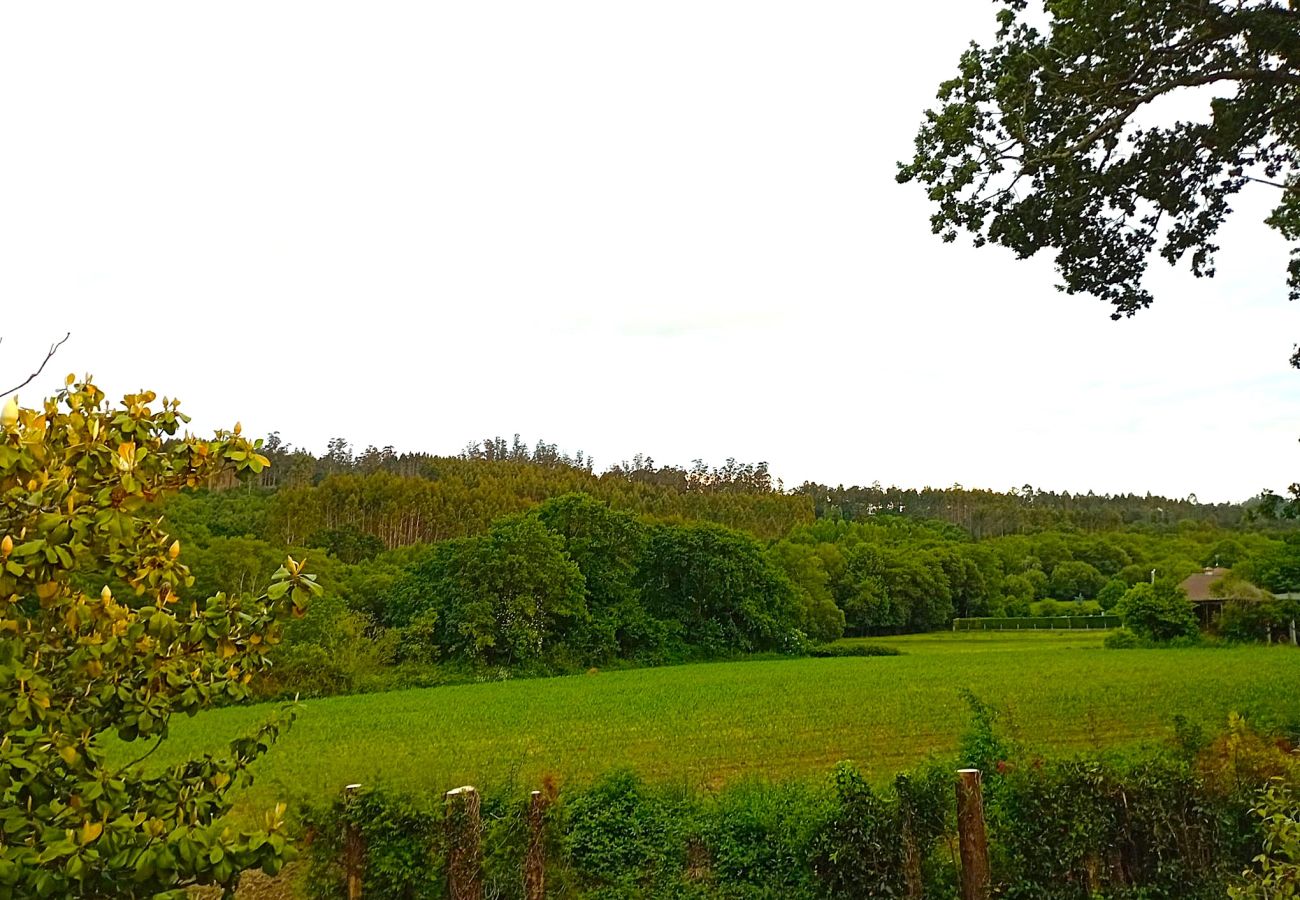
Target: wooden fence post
point(911, 856)
point(535, 861)
point(464, 859)
point(972, 836)
point(353, 851)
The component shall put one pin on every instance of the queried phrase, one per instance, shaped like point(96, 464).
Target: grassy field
point(701, 725)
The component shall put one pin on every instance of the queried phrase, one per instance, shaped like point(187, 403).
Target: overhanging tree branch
point(1122, 115)
point(39, 369)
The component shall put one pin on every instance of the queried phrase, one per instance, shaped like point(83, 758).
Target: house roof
point(1198, 586)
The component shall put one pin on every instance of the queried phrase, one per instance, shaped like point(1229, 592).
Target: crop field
point(702, 725)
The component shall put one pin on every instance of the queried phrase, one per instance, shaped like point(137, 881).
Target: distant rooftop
point(1198, 585)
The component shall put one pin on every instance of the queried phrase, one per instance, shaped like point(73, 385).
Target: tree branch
point(39, 369)
point(1123, 114)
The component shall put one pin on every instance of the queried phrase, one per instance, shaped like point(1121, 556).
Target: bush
point(759, 836)
point(622, 834)
point(1276, 874)
point(1158, 612)
point(859, 852)
point(1150, 826)
point(1124, 639)
point(403, 838)
point(833, 650)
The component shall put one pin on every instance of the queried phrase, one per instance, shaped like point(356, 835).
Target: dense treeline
point(523, 559)
point(986, 513)
point(578, 582)
point(437, 497)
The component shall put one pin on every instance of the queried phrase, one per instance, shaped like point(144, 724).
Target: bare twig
point(39, 369)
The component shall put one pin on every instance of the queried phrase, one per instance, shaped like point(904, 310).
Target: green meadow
point(703, 725)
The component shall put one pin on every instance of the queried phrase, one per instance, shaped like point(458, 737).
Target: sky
point(667, 228)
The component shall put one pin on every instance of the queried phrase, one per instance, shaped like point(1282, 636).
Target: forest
point(524, 560)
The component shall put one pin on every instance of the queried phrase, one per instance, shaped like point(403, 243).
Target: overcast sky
point(665, 227)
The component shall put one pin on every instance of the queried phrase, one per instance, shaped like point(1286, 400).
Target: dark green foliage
point(238, 566)
point(758, 840)
point(873, 564)
point(1035, 623)
point(200, 516)
point(1259, 620)
point(885, 588)
point(505, 598)
point(1124, 639)
point(983, 746)
point(606, 544)
point(1110, 593)
point(842, 650)
point(1157, 612)
point(1074, 580)
point(624, 835)
point(1086, 827)
point(806, 567)
point(987, 514)
point(1278, 567)
point(1151, 824)
point(860, 851)
point(403, 838)
point(348, 544)
point(1043, 140)
point(718, 589)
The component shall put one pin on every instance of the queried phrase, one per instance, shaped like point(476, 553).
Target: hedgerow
point(1163, 823)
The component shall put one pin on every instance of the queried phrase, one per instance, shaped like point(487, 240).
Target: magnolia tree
point(99, 640)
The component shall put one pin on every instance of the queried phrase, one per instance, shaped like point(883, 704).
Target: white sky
point(667, 227)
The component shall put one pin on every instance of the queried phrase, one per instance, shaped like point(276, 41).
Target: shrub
point(758, 839)
point(1276, 871)
point(1124, 639)
point(859, 852)
point(1157, 612)
point(622, 834)
point(833, 650)
point(99, 643)
point(402, 836)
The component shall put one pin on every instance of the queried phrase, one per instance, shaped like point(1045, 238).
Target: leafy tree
point(606, 544)
point(1279, 568)
point(1111, 593)
point(78, 665)
point(506, 598)
point(348, 543)
point(1018, 593)
point(719, 587)
point(1227, 552)
point(822, 620)
point(238, 566)
point(967, 582)
point(915, 580)
point(1048, 137)
point(1038, 581)
point(1074, 580)
point(1134, 574)
point(861, 592)
point(1158, 612)
point(1106, 557)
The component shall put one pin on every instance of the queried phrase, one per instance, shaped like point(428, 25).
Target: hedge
point(1023, 623)
point(1172, 823)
